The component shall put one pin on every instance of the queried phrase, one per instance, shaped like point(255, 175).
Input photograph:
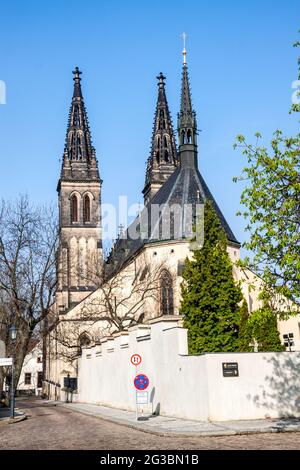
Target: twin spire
point(164, 157)
point(79, 159)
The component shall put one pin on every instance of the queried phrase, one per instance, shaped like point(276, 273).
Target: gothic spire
point(79, 153)
point(163, 155)
point(187, 123)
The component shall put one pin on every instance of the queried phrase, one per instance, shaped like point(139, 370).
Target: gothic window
point(86, 209)
point(189, 137)
point(83, 340)
point(183, 137)
point(74, 208)
point(157, 157)
point(79, 155)
point(166, 156)
point(165, 142)
point(166, 294)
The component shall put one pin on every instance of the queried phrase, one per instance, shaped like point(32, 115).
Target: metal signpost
point(140, 382)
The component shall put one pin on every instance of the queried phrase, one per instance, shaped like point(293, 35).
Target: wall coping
point(141, 326)
point(120, 333)
point(165, 319)
point(106, 338)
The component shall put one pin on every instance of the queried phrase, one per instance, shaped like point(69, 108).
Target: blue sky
point(241, 63)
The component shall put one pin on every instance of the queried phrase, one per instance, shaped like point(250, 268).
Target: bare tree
point(28, 243)
point(121, 301)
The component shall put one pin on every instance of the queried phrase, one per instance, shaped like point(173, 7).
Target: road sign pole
point(136, 404)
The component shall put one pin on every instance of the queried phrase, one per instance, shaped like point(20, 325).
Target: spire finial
point(184, 36)
point(161, 80)
point(77, 74)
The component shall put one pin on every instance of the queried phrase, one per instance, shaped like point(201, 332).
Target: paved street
point(52, 427)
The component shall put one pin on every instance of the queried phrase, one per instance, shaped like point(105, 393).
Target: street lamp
point(13, 336)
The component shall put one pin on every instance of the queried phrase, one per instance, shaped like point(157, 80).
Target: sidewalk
point(167, 426)
point(5, 416)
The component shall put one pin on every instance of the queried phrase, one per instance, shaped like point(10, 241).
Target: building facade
point(140, 279)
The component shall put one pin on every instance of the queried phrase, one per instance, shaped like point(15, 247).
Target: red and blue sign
point(141, 382)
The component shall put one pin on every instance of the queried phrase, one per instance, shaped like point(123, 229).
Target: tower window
point(189, 137)
point(166, 294)
point(86, 209)
point(183, 137)
point(166, 156)
point(74, 208)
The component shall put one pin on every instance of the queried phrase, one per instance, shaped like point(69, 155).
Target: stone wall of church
point(184, 386)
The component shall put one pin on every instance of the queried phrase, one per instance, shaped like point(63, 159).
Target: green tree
point(210, 296)
point(262, 327)
point(245, 337)
point(271, 200)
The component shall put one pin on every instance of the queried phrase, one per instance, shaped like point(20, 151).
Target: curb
point(18, 419)
point(155, 432)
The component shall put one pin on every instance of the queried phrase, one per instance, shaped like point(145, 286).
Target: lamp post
point(13, 336)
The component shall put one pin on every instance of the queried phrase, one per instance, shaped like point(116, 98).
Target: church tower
point(79, 196)
point(187, 123)
point(163, 156)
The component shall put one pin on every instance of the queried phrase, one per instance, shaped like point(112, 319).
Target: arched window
point(182, 137)
point(189, 137)
point(86, 209)
point(83, 340)
point(79, 156)
point(166, 294)
point(74, 208)
point(166, 156)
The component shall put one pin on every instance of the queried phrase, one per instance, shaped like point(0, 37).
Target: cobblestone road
point(52, 427)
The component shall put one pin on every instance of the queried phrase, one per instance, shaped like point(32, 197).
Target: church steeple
point(187, 123)
point(163, 155)
point(79, 159)
point(79, 197)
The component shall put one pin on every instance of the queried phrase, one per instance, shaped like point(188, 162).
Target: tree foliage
point(262, 328)
point(271, 200)
point(210, 295)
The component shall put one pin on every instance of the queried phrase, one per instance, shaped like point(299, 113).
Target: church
point(140, 279)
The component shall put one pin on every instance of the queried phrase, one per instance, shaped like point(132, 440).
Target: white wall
point(188, 386)
point(32, 366)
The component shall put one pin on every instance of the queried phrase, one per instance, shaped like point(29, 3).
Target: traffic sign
point(141, 382)
point(5, 361)
point(141, 397)
point(136, 359)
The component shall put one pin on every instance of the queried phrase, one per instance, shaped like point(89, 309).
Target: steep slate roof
point(184, 187)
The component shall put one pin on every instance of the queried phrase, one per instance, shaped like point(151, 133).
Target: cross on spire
point(184, 36)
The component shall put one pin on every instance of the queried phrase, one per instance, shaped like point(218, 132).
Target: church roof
point(184, 189)
point(173, 211)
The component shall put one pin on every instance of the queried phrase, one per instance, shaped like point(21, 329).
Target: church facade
point(140, 279)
